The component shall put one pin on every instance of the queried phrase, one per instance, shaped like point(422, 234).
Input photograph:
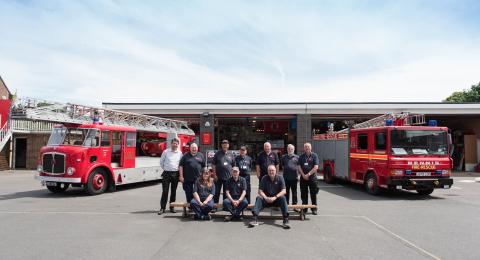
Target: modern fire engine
point(393, 151)
point(97, 148)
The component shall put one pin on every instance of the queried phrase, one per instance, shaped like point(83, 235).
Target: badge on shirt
point(306, 164)
point(225, 163)
point(244, 167)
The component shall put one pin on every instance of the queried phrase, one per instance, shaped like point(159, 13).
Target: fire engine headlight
point(397, 172)
point(445, 172)
point(39, 168)
point(70, 170)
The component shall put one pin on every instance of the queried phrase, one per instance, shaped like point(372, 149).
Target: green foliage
point(471, 95)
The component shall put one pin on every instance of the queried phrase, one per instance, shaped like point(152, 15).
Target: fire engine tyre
point(59, 188)
point(97, 182)
point(327, 175)
point(425, 192)
point(371, 184)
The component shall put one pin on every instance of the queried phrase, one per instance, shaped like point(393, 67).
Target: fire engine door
point(117, 148)
point(360, 160)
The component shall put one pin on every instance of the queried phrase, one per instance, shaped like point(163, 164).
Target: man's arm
point(281, 193)
point(197, 198)
point(257, 168)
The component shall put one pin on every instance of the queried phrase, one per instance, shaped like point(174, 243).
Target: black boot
point(285, 223)
point(161, 211)
point(172, 210)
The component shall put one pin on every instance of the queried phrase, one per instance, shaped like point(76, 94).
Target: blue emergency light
point(389, 122)
point(432, 122)
point(408, 172)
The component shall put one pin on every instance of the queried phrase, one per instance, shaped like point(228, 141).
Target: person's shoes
point(207, 217)
point(161, 211)
point(195, 217)
point(238, 218)
point(172, 210)
point(214, 210)
point(253, 223)
point(285, 224)
point(314, 211)
point(228, 218)
point(304, 211)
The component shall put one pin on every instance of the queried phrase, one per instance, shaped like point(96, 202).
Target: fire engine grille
point(54, 163)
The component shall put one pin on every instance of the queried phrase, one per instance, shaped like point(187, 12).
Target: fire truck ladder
point(41, 110)
point(408, 119)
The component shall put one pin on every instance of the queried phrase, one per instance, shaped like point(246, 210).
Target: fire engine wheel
point(425, 192)
point(371, 184)
point(97, 182)
point(59, 188)
point(327, 175)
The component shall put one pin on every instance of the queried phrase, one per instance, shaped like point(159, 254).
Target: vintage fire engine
point(393, 151)
point(97, 148)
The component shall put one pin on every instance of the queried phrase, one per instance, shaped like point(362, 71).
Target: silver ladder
point(408, 119)
point(48, 111)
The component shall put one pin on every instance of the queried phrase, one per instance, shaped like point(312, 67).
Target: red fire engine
point(389, 152)
point(97, 148)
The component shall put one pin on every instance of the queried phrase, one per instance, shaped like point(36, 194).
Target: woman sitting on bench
point(203, 192)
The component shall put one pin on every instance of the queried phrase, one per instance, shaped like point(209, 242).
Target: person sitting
point(203, 192)
point(235, 202)
point(271, 192)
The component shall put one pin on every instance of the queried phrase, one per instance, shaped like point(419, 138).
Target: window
point(381, 141)
point(362, 142)
point(131, 138)
point(105, 138)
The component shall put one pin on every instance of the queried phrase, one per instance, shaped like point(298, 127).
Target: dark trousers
point(218, 186)
point(236, 212)
point(249, 187)
point(305, 186)
point(260, 204)
point(188, 188)
point(168, 179)
point(199, 211)
point(291, 185)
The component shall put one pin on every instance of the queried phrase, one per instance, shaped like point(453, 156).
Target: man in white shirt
point(169, 162)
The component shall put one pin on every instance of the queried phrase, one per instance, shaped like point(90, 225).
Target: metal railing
point(28, 126)
point(5, 134)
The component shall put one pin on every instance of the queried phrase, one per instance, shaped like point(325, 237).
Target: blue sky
point(239, 51)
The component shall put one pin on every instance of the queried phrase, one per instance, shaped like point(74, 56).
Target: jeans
point(199, 211)
point(168, 179)
point(291, 185)
point(260, 204)
point(236, 212)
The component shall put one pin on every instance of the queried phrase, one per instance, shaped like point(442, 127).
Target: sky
point(98, 51)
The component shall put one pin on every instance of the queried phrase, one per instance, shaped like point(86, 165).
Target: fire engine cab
point(389, 152)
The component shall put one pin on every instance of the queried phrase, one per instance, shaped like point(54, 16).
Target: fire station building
point(252, 124)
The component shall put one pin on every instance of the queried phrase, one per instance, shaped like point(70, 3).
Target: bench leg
point(184, 212)
point(302, 215)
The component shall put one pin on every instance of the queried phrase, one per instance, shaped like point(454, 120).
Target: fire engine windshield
point(74, 136)
point(419, 142)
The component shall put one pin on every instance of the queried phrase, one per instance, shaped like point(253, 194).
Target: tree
point(471, 95)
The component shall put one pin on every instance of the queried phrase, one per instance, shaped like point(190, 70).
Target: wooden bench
point(301, 208)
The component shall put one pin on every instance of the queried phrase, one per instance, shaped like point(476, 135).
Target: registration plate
point(424, 174)
point(50, 183)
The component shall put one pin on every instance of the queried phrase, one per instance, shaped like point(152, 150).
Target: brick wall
point(34, 143)
point(4, 161)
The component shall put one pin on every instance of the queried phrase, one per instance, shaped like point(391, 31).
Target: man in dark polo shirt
point(289, 163)
point(190, 168)
point(244, 163)
point(271, 192)
point(265, 159)
point(235, 202)
point(307, 167)
point(223, 161)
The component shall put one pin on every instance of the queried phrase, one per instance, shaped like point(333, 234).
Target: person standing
point(271, 193)
point(190, 169)
point(290, 173)
point(223, 161)
point(235, 202)
point(244, 163)
point(265, 159)
point(169, 161)
point(307, 167)
point(203, 191)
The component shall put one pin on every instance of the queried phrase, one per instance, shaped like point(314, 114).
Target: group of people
point(231, 174)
